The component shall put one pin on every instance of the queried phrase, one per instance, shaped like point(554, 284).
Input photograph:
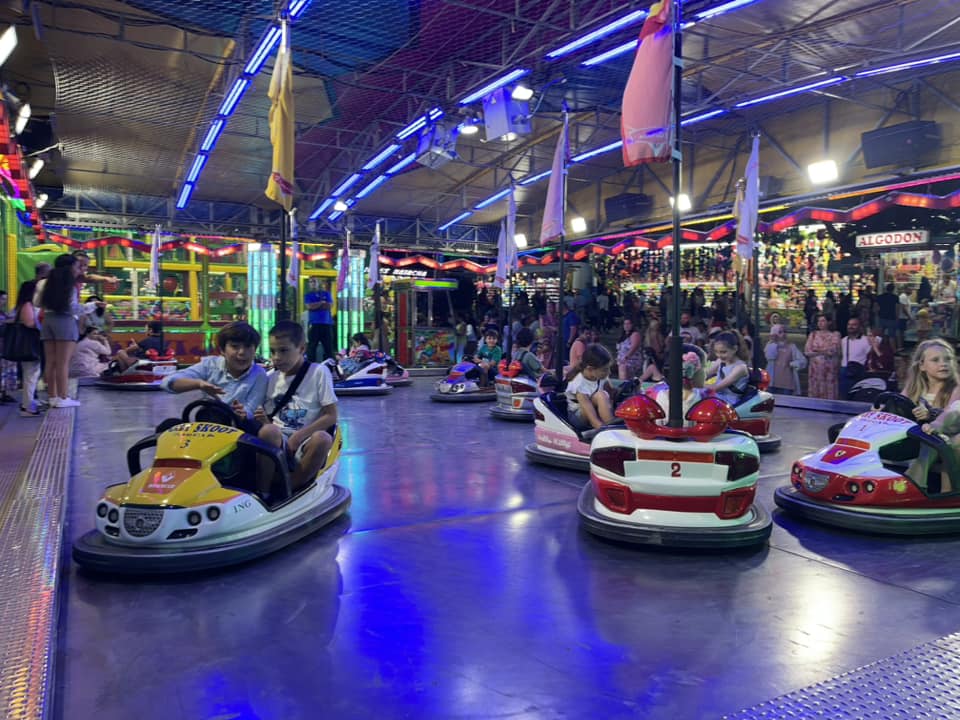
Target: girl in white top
point(730, 367)
point(588, 403)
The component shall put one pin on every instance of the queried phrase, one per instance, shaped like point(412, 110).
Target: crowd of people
point(60, 337)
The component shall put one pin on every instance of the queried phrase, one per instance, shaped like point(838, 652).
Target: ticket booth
point(422, 309)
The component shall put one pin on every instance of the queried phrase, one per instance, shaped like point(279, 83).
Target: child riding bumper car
point(359, 375)
point(144, 374)
point(882, 474)
point(214, 496)
point(686, 487)
point(463, 384)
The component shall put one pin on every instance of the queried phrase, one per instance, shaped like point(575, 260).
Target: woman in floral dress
point(823, 350)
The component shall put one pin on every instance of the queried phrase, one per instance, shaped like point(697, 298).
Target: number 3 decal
point(674, 469)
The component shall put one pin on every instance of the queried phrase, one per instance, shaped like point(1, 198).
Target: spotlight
point(822, 172)
point(23, 117)
point(35, 167)
point(520, 240)
point(578, 224)
point(42, 200)
point(8, 42)
point(522, 93)
point(470, 129)
point(340, 206)
point(253, 247)
point(685, 203)
point(510, 137)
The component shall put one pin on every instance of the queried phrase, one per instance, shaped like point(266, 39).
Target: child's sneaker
point(29, 413)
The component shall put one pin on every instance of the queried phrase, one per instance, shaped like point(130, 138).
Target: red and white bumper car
point(145, 374)
point(688, 487)
point(882, 474)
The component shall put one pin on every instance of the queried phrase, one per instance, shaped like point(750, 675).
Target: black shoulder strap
point(294, 386)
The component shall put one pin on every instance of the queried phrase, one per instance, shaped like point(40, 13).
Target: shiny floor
point(461, 587)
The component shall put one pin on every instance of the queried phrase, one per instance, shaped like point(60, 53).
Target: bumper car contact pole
point(675, 371)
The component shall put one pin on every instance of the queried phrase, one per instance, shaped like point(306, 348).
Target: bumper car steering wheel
point(212, 411)
point(895, 404)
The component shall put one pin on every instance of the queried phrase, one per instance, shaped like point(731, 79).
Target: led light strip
point(268, 42)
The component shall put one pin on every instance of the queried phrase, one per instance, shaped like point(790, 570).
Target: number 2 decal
point(675, 469)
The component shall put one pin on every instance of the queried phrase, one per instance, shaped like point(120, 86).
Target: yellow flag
point(282, 134)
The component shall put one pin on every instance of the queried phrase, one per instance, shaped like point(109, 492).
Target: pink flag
point(552, 226)
point(748, 207)
point(344, 264)
point(646, 120)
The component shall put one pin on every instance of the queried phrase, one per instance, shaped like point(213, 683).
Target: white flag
point(155, 260)
point(293, 272)
point(552, 226)
point(514, 261)
point(344, 271)
point(374, 271)
point(749, 205)
point(502, 257)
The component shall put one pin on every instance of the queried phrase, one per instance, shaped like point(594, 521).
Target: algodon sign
point(893, 239)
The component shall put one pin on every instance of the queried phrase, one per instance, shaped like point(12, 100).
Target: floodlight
point(822, 172)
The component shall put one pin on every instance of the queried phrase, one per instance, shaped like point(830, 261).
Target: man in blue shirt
point(231, 376)
point(319, 302)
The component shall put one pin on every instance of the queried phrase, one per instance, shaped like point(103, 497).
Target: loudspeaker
point(437, 145)
point(627, 207)
point(904, 144)
point(770, 186)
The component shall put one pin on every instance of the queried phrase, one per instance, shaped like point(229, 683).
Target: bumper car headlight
point(102, 510)
point(459, 387)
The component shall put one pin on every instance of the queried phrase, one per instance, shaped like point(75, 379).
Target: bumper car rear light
point(613, 496)
point(612, 459)
point(739, 464)
point(764, 407)
point(735, 503)
point(519, 387)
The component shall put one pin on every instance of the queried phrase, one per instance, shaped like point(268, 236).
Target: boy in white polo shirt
point(302, 423)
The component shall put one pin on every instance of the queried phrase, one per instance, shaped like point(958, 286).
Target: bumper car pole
point(675, 371)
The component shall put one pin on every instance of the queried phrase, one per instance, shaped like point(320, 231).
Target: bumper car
point(882, 474)
point(359, 376)
point(516, 392)
point(396, 375)
point(145, 374)
point(200, 504)
point(462, 385)
point(687, 487)
point(556, 441)
point(755, 410)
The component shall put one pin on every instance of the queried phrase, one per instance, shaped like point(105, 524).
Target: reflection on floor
point(461, 587)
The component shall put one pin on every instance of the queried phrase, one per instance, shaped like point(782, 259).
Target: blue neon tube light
point(345, 185)
point(260, 55)
point(721, 9)
point(393, 170)
point(596, 151)
point(493, 85)
point(450, 223)
point(703, 116)
point(492, 199)
point(229, 103)
point(370, 187)
point(323, 206)
point(334, 215)
point(600, 32)
point(793, 91)
point(213, 134)
point(185, 193)
point(907, 65)
point(296, 7)
point(535, 178)
point(198, 164)
point(611, 53)
point(412, 128)
point(387, 152)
